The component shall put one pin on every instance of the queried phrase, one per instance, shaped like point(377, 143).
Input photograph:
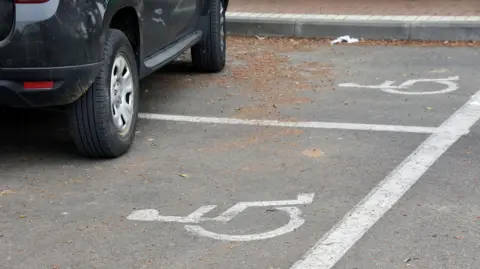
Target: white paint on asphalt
point(302, 199)
point(292, 124)
point(197, 216)
point(335, 244)
point(388, 86)
point(154, 215)
point(295, 222)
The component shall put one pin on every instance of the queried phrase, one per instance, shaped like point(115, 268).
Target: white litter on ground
point(345, 38)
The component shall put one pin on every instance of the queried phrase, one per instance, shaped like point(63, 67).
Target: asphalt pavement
point(298, 155)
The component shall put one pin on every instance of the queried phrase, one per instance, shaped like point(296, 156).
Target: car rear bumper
point(52, 34)
point(69, 83)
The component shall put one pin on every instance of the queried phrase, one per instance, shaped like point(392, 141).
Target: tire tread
point(207, 55)
point(90, 116)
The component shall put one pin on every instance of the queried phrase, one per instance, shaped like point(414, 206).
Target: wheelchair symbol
point(388, 86)
point(287, 206)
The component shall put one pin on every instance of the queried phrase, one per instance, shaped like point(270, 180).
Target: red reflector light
point(30, 1)
point(35, 85)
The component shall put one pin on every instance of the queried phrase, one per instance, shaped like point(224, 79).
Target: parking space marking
point(198, 216)
point(388, 86)
point(335, 243)
point(294, 223)
point(293, 124)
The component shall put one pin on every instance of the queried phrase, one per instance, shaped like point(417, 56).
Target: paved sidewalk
point(368, 19)
point(361, 7)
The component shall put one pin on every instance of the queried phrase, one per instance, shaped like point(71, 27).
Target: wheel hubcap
point(121, 94)
point(222, 26)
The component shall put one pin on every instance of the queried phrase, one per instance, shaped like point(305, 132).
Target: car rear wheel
point(103, 120)
point(210, 54)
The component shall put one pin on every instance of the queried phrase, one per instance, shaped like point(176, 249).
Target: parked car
point(87, 56)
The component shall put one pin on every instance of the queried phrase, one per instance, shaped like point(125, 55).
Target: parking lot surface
point(261, 165)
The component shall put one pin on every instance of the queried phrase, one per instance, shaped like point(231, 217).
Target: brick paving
point(361, 7)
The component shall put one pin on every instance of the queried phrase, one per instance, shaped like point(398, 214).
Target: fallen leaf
point(410, 259)
point(22, 216)
point(5, 192)
point(429, 108)
point(183, 175)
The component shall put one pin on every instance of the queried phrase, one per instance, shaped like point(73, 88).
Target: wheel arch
point(125, 15)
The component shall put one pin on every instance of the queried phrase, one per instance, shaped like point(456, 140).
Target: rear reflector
point(35, 85)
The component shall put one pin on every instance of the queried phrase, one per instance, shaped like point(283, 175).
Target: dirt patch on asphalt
point(269, 77)
point(259, 70)
point(313, 153)
point(256, 139)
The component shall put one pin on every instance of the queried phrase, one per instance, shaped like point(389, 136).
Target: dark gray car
point(87, 56)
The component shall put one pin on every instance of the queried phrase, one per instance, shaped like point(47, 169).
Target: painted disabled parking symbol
point(193, 220)
point(404, 88)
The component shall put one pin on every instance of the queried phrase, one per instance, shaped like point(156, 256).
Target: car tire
point(103, 120)
point(209, 55)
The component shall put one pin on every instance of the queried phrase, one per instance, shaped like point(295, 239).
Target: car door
point(156, 25)
point(184, 16)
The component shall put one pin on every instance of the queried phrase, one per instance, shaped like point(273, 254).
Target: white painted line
point(300, 124)
point(333, 245)
point(388, 87)
point(198, 216)
point(295, 222)
point(154, 215)
point(302, 199)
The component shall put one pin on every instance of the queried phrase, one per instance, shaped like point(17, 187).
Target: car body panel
point(62, 41)
point(184, 16)
point(53, 34)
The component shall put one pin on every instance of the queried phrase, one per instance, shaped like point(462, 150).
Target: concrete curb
point(432, 28)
